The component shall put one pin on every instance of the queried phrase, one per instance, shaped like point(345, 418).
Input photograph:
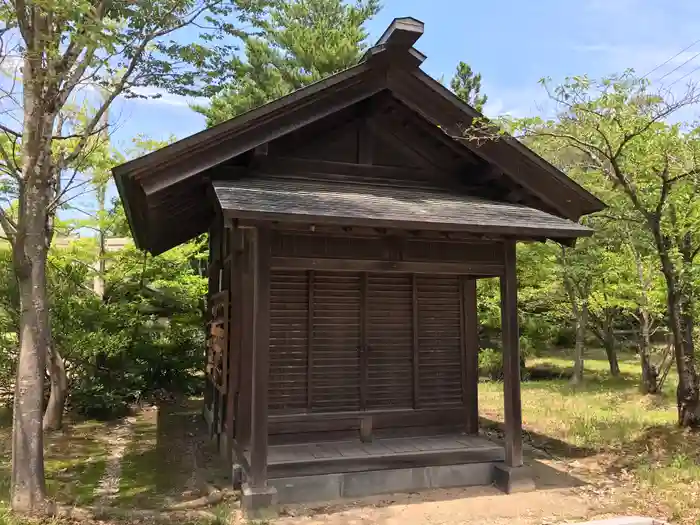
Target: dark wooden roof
point(166, 193)
point(316, 201)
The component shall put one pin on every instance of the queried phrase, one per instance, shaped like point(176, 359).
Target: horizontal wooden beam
point(303, 263)
point(489, 232)
point(311, 422)
point(294, 165)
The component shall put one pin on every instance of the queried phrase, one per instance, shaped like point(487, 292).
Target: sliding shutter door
point(439, 341)
point(389, 349)
point(335, 376)
point(289, 321)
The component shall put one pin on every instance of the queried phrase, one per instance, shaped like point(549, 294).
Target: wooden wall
point(379, 330)
point(368, 334)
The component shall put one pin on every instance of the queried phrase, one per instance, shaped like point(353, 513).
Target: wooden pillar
point(471, 355)
point(245, 396)
point(511, 359)
point(261, 358)
point(234, 366)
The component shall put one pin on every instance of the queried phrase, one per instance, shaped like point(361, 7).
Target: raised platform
point(352, 469)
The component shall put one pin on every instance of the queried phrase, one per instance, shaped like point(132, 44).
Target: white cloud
point(166, 98)
point(522, 102)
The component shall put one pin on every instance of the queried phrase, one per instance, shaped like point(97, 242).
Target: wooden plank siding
point(459, 256)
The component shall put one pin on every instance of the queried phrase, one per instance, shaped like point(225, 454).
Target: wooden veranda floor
point(386, 453)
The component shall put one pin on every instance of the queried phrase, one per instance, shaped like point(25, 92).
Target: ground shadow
point(547, 477)
point(542, 442)
point(661, 446)
point(170, 458)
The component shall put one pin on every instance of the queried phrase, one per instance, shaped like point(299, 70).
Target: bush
point(144, 337)
point(491, 363)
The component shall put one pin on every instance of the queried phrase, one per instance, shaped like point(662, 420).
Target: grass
point(74, 462)
point(158, 466)
point(633, 437)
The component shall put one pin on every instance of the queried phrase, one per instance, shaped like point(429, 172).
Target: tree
point(297, 43)
point(621, 130)
point(66, 46)
point(467, 86)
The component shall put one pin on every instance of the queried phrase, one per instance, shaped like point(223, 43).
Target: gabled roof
point(169, 187)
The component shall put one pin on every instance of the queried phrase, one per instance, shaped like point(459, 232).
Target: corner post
point(511, 476)
point(258, 498)
point(247, 339)
point(471, 356)
point(511, 359)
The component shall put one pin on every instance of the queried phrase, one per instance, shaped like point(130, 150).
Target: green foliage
point(146, 336)
point(298, 42)
point(467, 86)
point(490, 363)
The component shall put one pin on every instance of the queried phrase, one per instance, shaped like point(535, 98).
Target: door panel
point(289, 317)
point(389, 341)
point(346, 341)
point(335, 373)
point(439, 341)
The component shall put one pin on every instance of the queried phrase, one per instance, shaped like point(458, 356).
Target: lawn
point(632, 438)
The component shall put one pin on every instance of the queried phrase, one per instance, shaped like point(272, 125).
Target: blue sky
point(512, 43)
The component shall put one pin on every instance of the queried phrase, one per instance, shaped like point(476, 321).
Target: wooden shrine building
point(348, 222)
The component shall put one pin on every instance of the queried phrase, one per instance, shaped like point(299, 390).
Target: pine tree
point(467, 86)
point(299, 42)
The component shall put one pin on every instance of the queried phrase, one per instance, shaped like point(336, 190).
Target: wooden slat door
point(389, 341)
point(289, 322)
point(439, 339)
point(348, 341)
point(336, 299)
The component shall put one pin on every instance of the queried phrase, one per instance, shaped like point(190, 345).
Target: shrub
point(491, 363)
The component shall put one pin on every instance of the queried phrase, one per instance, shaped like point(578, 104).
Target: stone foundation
point(328, 487)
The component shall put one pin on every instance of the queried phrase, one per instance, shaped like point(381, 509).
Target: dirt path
point(560, 498)
point(482, 505)
point(116, 441)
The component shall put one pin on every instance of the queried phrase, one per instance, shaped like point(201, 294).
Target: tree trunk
point(53, 417)
point(609, 345)
point(29, 256)
point(30, 245)
point(581, 315)
point(681, 324)
point(650, 374)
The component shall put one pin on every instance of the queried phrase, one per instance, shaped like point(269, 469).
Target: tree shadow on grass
point(170, 458)
point(662, 446)
point(558, 379)
point(545, 443)
point(74, 461)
